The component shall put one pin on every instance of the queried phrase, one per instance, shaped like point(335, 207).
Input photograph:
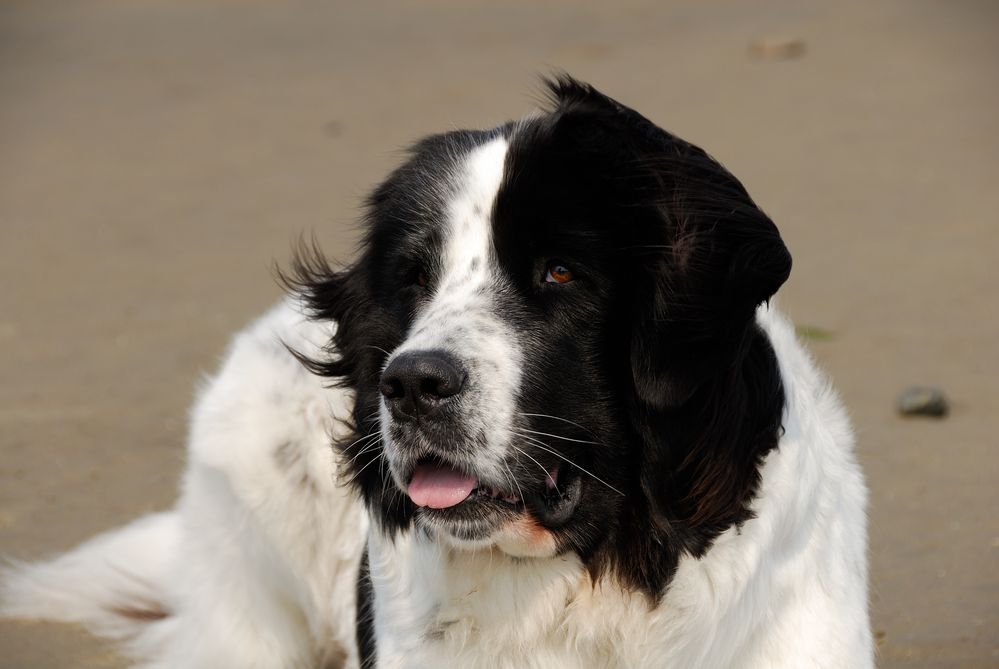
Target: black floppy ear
point(711, 258)
point(704, 374)
point(699, 255)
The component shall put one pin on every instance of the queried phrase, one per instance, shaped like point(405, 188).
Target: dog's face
point(550, 335)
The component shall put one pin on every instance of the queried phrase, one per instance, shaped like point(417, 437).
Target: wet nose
point(419, 383)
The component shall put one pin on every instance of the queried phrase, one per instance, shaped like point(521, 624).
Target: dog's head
point(550, 332)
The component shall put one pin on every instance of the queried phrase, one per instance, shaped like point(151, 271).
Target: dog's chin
point(474, 526)
point(519, 537)
point(515, 533)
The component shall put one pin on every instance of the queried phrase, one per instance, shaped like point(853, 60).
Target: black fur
point(365, 632)
point(652, 352)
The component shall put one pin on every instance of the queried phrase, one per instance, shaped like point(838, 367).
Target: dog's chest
point(443, 608)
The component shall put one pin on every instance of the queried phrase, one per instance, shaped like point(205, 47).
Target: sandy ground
point(156, 158)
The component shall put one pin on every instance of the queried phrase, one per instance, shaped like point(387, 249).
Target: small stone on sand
point(923, 401)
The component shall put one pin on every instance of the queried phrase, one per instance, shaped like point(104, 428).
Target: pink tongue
point(439, 487)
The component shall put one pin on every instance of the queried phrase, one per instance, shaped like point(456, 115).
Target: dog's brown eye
point(558, 273)
point(417, 276)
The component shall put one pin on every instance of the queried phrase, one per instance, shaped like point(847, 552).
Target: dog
point(548, 418)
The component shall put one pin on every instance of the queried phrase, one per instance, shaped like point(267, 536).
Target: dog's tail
point(114, 584)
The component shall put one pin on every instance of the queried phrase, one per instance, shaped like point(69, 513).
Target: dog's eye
point(557, 273)
point(417, 276)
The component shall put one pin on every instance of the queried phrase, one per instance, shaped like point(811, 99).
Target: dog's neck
point(433, 598)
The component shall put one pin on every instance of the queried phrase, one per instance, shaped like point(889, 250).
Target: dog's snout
point(418, 383)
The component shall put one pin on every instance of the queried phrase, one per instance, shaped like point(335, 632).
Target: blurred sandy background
point(156, 158)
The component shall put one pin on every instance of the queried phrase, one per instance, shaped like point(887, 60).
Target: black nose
point(418, 383)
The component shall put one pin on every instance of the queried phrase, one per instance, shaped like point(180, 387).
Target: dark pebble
point(923, 401)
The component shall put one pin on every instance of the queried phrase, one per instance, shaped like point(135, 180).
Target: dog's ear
point(705, 378)
point(699, 256)
point(715, 258)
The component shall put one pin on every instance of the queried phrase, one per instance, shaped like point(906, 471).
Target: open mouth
point(448, 493)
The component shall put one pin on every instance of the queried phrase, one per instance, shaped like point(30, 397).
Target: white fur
point(256, 565)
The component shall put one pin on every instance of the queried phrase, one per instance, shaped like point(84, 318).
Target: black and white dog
point(567, 432)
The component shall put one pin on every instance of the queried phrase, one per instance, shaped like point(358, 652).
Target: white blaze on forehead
point(467, 274)
point(470, 209)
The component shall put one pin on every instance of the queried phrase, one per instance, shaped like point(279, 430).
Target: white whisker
point(375, 459)
point(514, 480)
point(564, 420)
point(555, 436)
point(367, 449)
point(543, 446)
point(547, 475)
point(354, 443)
point(377, 348)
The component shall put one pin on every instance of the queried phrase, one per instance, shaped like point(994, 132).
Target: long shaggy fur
point(659, 476)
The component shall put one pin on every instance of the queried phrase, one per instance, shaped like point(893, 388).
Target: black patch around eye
point(414, 274)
